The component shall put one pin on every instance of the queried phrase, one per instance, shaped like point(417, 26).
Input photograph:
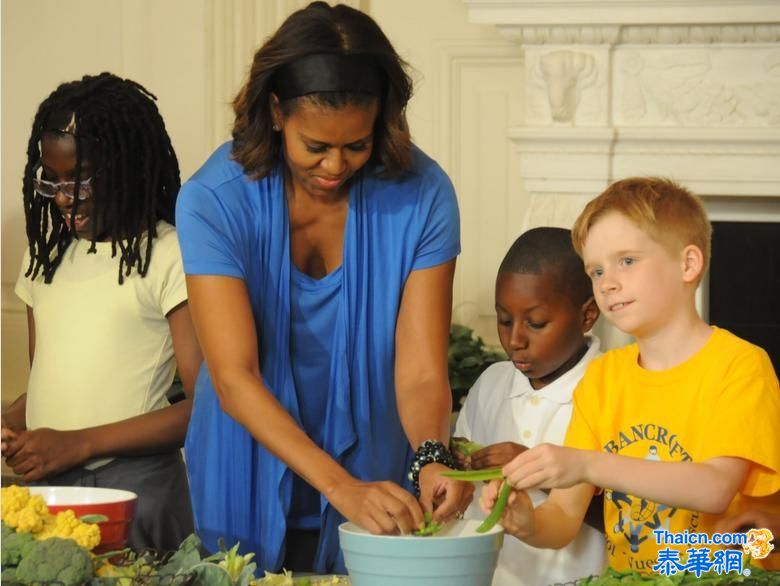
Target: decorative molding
point(696, 87)
point(599, 12)
point(711, 161)
point(613, 34)
point(452, 59)
point(554, 139)
point(700, 34)
point(561, 35)
point(714, 141)
point(566, 87)
point(559, 160)
point(565, 74)
point(235, 30)
point(227, 54)
point(468, 137)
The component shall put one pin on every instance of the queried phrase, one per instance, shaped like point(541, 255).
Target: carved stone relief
point(560, 82)
point(667, 87)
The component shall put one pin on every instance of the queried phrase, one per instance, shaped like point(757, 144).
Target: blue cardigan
point(231, 225)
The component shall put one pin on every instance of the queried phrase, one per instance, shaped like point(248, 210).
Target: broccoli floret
point(55, 559)
point(14, 546)
point(8, 576)
point(6, 530)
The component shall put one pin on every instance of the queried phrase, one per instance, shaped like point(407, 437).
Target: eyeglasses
point(67, 188)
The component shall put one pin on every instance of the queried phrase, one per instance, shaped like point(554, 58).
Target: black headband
point(328, 72)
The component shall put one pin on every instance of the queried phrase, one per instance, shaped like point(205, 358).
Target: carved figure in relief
point(566, 74)
point(692, 90)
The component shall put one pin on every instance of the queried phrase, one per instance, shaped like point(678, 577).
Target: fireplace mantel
point(614, 88)
point(527, 13)
point(686, 89)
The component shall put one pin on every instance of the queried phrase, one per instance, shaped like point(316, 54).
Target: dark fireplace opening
point(744, 283)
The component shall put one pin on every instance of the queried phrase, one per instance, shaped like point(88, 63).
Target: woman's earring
point(276, 128)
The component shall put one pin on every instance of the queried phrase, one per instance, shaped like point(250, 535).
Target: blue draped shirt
point(232, 225)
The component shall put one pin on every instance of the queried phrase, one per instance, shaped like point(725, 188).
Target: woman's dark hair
point(320, 28)
point(115, 124)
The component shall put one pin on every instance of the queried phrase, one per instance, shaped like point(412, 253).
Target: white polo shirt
point(503, 406)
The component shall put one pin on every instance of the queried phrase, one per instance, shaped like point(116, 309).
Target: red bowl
point(117, 505)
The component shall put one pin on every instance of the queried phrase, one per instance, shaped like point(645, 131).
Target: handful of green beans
point(431, 527)
point(480, 476)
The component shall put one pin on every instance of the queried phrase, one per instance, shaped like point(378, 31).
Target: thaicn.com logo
point(707, 553)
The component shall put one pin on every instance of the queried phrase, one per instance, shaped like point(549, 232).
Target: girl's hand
point(383, 508)
point(43, 452)
point(518, 517)
point(445, 498)
point(6, 436)
point(547, 466)
point(496, 455)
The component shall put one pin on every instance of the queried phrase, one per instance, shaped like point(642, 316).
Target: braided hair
point(117, 124)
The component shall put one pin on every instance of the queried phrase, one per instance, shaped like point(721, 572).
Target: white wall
point(469, 92)
point(45, 42)
point(193, 54)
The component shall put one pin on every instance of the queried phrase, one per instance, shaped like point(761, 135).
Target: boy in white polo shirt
point(544, 307)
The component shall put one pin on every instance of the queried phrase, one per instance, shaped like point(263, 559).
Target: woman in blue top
point(319, 247)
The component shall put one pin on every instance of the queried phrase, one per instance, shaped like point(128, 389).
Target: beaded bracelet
point(429, 451)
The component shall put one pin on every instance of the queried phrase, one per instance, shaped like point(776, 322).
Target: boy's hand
point(496, 455)
point(462, 460)
point(518, 517)
point(42, 452)
point(547, 466)
point(751, 518)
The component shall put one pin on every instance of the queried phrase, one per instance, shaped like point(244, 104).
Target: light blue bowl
point(457, 556)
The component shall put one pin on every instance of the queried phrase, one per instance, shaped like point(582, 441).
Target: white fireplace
point(687, 89)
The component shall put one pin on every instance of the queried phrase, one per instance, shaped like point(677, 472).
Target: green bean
point(475, 475)
point(498, 509)
point(431, 527)
point(465, 447)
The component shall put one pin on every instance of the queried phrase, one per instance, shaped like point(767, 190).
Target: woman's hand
point(547, 466)
point(518, 517)
point(496, 455)
point(43, 452)
point(383, 508)
point(445, 497)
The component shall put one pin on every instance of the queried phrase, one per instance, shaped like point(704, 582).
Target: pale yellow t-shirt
point(724, 401)
point(103, 351)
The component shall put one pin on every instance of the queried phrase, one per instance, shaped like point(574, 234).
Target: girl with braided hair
point(107, 306)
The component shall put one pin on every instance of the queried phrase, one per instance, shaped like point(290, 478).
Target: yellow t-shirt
point(103, 351)
point(724, 401)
